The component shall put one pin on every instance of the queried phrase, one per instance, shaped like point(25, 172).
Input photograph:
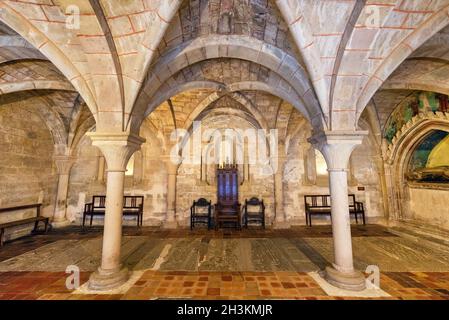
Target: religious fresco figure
point(444, 102)
point(422, 102)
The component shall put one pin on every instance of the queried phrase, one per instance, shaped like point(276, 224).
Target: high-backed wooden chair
point(254, 212)
point(227, 209)
point(201, 212)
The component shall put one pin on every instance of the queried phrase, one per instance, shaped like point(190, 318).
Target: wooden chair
point(227, 209)
point(254, 211)
point(201, 212)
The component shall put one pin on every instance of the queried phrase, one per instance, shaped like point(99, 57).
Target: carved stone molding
point(429, 118)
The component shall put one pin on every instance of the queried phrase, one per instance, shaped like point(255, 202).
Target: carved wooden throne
point(227, 209)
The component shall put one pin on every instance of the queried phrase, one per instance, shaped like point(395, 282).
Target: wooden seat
point(254, 212)
point(321, 205)
point(201, 212)
point(38, 218)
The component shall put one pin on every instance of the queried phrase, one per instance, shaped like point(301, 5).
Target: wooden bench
point(16, 223)
point(320, 205)
point(132, 206)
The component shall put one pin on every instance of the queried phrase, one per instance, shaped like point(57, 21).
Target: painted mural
point(430, 159)
point(420, 102)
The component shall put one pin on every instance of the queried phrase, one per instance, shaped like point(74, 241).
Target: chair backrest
point(132, 201)
point(201, 202)
point(255, 203)
point(227, 186)
point(99, 201)
point(351, 200)
point(325, 200)
point(318, 200)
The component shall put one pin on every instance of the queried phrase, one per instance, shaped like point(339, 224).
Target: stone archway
point(398, 155)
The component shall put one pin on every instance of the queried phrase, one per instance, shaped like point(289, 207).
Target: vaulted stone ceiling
point(327, 59)
point(427, 69)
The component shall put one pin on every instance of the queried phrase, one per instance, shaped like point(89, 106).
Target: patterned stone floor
point(249, 264)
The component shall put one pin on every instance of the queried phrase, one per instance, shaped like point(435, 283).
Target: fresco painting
point(420, 102)
point(430, 159)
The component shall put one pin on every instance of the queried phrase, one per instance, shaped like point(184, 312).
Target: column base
point(60, 223)
point(102, 280)
point(354, 281)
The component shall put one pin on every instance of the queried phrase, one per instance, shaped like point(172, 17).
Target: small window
point(130, 167)
point(320, 163)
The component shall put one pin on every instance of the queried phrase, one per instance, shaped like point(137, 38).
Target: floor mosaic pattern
point(251, 264)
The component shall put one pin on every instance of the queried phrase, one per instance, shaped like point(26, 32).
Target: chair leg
point(356, 219)
point(91, 217)
point(46, 226)
point(84, 219)
point(2, 232)
point(363, 217)
point(36, 225)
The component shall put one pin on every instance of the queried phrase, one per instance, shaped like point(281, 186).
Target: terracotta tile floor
point(195, 284)
point(219, 285)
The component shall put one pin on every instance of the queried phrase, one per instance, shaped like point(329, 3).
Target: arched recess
point(234, 47)
point(49, 116)
point(236, 96)
point(223, 89)
point(397, 158)
point(205, 108)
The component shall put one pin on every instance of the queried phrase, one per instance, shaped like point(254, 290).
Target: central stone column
point(280, 221)
point(336, 147)
point(117, 149)
point(172, 171)
point(64, 164)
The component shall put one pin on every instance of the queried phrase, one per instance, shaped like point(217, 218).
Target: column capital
point(337, 146)
point(117, 147)
point(172, 166)
point(64, 163)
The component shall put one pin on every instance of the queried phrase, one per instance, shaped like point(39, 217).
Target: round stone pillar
point(280, 218)
point(117, 150)
point(63, 165)
point(172, 171)
point(336, 147)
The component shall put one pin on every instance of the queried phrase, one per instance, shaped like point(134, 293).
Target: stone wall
point(27, 172)
point(436, 214)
